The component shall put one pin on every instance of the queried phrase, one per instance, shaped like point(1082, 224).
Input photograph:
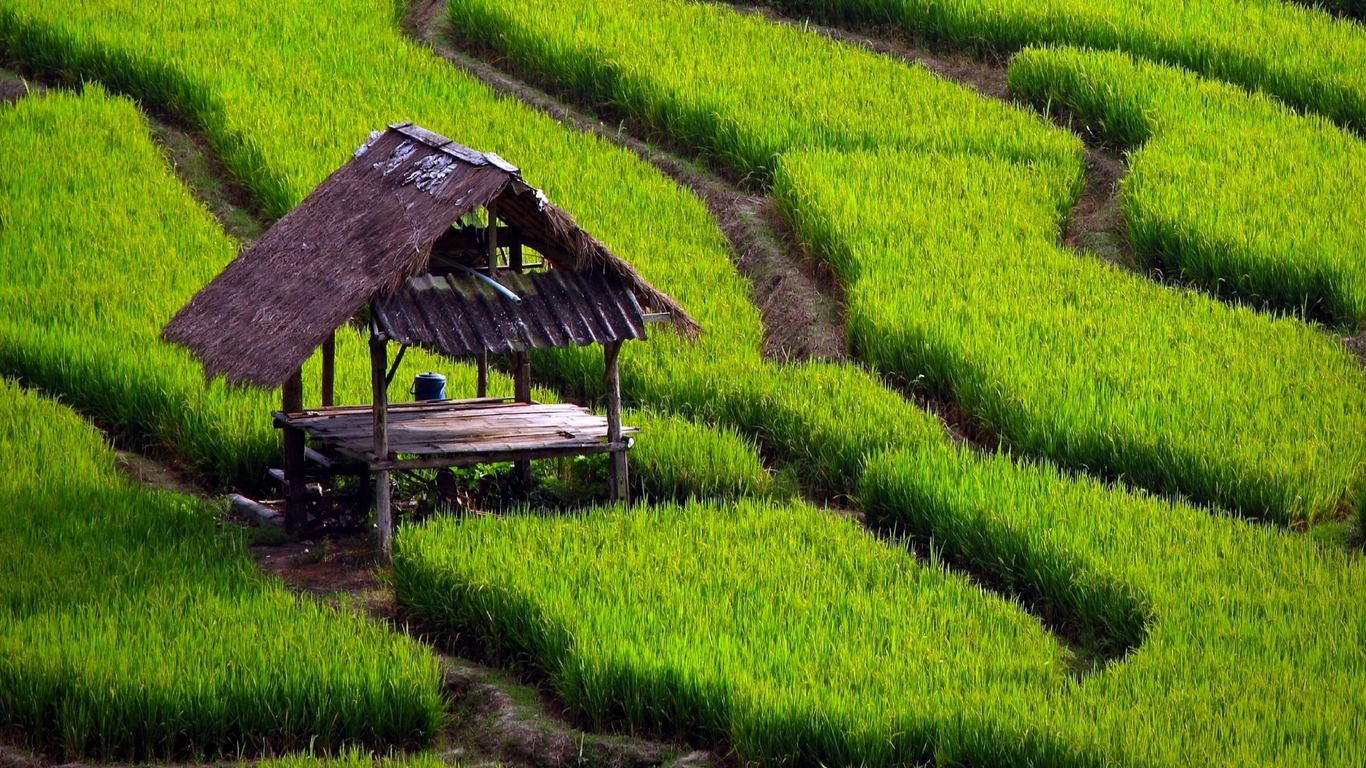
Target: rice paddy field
point(1046, 510)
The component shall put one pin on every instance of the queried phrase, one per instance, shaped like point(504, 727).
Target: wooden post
point(618, 479)
point(379, 362)
point(329, 369)
point(296, 493)
point(490, 256)
point(491, 238)
point(521, 389)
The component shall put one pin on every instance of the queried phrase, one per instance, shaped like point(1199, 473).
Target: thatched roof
point(362, 233)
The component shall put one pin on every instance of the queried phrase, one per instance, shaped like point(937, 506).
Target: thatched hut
point(395, 231)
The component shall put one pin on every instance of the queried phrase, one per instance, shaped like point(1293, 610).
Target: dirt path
point(801, 306)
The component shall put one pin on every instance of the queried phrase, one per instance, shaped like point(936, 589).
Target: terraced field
point(1123, 581)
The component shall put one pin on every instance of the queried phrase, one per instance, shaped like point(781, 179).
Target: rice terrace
point(682, 383)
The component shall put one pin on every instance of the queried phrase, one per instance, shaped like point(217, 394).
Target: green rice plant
point(132, 630)
point(278, 91)
point(1303, 56)
point(740, 90)
point(790, 637)
point(1253, 649)
point(782, 632)
point(1234, 192)
point(85, 297)
point(354, 758)
point(925, 232)
point(1081, 362)
point(676, 459)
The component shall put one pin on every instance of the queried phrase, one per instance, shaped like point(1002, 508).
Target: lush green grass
point(1255, 645)
point(131, 629)
point(782, 631)
point(353, 758)
point(1089, 365)
point(741, 91)
point(85, 297)
point(790, 636)
point(1305, 57)
point(283, 115)
point(1234, 192)
point(960, 197)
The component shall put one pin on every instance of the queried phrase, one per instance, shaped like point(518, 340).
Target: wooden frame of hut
point(391, 232)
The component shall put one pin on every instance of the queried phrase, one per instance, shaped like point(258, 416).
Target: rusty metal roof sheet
point(462, 314)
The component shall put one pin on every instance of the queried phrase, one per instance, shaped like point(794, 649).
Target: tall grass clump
point(780, 631)
point(1301, 55)
point(1252, 651)
point(928, 200)
point(132, 630)
point(1234, 192)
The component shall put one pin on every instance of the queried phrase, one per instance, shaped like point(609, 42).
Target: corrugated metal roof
point(462, 314)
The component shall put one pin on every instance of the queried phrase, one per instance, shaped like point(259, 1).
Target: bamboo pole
point(491, 259)
point(521, 389)
point(329, 369)
point(379, 392)
point(296, 493)
point(617, 477)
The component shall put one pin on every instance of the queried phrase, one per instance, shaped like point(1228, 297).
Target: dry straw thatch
point(361, 233)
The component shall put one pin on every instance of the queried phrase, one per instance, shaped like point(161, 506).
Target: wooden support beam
point(618, 478)
point(481, 387)
point(296, 495)
point(329, 369)
point(379, 362)
point(491, 238)
point(514, 250)
point(521, 388)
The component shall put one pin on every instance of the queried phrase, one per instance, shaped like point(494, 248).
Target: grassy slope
point(1088, 365)
point(283, 115)
point(1304, 56)
point(86, 296)
point(1255, 649)
point(750, 406)
point(1233, 191)
point(1074, 373)
point(785, 632)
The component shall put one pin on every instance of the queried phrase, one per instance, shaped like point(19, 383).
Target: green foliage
point(354, 758)
point(675, 460)
point(1081, 362)
point(131, 630)
point(85, 296)
point(278, 90)
point(956, 197)
point(1232, 191)
point(1252, 649)
point(1305, 57)
point(758, 91)
point(782, 631)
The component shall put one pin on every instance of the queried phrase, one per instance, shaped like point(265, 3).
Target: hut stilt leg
point(296, 493)
point(482, 385)
point(521, 385)
point(618, 479)
point(379, 362)
point(329, 369)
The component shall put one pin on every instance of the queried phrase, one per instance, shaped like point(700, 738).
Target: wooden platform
point(446, 433)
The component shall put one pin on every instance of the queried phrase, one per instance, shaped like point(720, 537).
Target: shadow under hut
point(425, 242)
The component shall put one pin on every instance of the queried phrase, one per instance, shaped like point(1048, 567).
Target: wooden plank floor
point(458, 427)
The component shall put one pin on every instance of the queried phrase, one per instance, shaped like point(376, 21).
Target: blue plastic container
point(429, 386)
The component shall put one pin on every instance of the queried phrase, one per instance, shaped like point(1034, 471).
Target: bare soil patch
point(13, 88)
